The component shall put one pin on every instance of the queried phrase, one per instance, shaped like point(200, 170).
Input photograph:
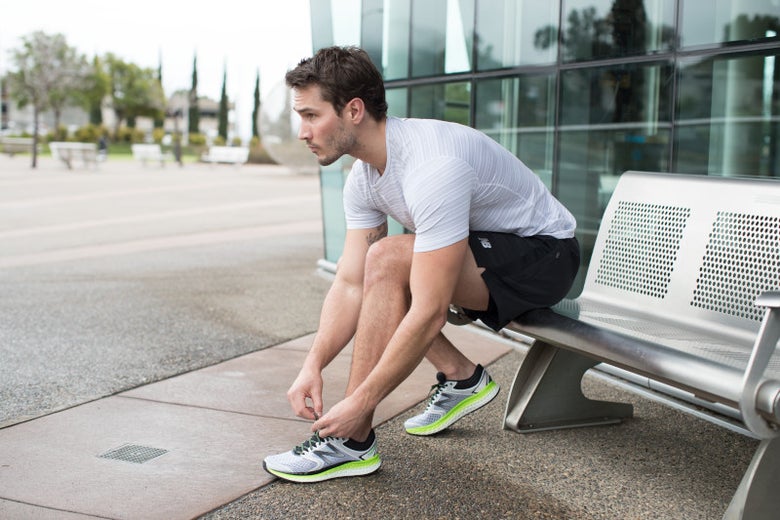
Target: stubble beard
point(342, 144)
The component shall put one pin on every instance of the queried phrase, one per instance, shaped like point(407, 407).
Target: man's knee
point(389, 259)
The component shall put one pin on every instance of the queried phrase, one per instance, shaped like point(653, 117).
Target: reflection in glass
point(729, 116)
point(507, 29)
point(395, 39)
point(442, 36)
point(518, 112)
point(445, 101)
point(396, 101)
point(631, 93)
point(707, 23)
point(614, 28)
point(335, 23)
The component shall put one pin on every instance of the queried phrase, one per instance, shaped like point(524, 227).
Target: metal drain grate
point(133, 453)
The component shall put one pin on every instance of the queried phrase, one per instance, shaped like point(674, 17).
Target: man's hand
point(346, 419)
point(308, 385)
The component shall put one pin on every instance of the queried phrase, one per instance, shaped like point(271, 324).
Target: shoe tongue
point(441, 378)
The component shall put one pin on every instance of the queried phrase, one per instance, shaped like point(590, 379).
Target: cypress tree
point(222, 129)
point(193, 114)
point(256, 109)
point(159, 119)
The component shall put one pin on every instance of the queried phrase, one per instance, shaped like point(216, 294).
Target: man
point(486, 236)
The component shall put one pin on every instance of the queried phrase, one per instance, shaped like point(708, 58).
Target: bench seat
point(227, 154)
point(683, 288)
point(150, 152)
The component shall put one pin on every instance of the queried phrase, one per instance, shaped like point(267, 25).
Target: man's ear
point(355, 110)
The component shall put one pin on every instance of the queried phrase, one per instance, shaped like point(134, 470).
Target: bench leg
point(756, 497)
point(547, 394)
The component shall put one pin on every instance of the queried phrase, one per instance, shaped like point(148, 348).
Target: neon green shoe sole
point(465, 407)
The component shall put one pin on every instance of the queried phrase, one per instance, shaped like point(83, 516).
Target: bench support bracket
point(756, 496)
point(547, 393)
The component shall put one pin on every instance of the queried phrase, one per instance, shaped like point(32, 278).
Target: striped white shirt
point(443, 180)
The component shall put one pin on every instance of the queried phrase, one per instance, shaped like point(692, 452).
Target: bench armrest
point(769, 299)
point(763, 349)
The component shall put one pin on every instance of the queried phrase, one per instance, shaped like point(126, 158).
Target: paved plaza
point(151, 320)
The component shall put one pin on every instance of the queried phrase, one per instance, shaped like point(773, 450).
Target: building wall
point(579, 90)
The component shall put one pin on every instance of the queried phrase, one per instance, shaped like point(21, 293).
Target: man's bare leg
point(386, 300)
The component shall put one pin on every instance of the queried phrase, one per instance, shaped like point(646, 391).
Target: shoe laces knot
point(309, 444)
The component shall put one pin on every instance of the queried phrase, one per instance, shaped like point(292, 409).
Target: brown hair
point(343, 74)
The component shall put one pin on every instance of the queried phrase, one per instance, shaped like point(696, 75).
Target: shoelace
point(309, 444)
point(435, 391)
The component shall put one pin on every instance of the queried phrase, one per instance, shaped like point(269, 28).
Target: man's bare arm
point(338, 320)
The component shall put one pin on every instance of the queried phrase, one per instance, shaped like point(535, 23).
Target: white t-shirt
point(443, 180)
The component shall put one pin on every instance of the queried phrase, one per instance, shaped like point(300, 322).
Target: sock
point(361, 446)
point(473, 380)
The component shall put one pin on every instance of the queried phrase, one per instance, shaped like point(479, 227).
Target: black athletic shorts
point(522, 273)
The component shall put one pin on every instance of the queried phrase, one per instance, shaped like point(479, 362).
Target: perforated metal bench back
point(698, 249)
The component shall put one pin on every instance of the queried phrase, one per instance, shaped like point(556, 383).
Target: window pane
point(614, 28)
point(718, 21)
point(442, 36)
point(396, 101)
point(511, 32)
point(638, 94)
point(729, 116)
point(519, 113)
point(395, 40)
point(335, 23)
point(448, 102)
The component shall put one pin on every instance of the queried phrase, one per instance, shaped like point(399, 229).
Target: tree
point(159, 120)
point(256, 109)
point(193, 114)
point(97, 86)
point(48, 74)
point(134, 92)
point(222, 128)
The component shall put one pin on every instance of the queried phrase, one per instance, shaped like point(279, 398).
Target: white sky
point(269, 35)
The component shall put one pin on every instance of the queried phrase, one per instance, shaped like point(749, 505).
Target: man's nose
point(304, 132)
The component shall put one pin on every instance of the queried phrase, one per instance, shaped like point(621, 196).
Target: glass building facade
point(579, 90)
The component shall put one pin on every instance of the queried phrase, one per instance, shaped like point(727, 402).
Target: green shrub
point(129, 135)
point(158, 134)
point(90, 133)
point(258, 154)
point(197, 139)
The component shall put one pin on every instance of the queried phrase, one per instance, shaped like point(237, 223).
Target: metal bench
point(682, 297)
point(226, 154)
point(69, 153)
point(150, 152)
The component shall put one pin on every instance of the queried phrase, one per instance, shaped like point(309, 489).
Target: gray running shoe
point(318, 459)
point(450, 401)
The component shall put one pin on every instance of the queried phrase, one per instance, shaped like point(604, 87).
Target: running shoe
point(451, 400)
point(318, 459)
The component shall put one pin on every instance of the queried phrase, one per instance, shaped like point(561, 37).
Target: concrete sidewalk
point(152, 320)
point(180, 447)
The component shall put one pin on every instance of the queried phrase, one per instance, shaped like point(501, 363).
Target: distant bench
point(69, 153)
point(150, 152)
point(14, 145)
point(226, 154)
point(682, 301)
